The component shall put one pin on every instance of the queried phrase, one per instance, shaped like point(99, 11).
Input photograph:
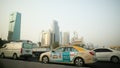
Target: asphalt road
point(33, 63)
point(9, 63)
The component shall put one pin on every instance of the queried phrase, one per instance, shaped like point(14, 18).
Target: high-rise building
point(60, 38)
point(46, 38)
point(14, 27)
point(55, 30)
point(66, 38)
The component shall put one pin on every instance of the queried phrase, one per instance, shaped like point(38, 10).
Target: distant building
point(55, 31)
point(60, 37)
point(66, 38)
point(75, 36)
point(46, 39)
point(14, 27)
point(76, 40)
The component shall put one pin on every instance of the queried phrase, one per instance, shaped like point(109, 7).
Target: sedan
point(107, 54)
point(69, 54)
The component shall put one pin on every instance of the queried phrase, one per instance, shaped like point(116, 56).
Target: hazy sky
point(98, 21)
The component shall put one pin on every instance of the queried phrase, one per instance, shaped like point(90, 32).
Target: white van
point(16, 50)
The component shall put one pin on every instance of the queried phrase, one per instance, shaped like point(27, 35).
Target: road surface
point(33, 63)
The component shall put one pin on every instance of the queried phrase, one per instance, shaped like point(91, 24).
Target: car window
point(70, 49)
point(106, 50)
point(59, 49)
point(27, 46)
point(102, 50)
point(67, 49)
point(73, 50)
point(97, 50)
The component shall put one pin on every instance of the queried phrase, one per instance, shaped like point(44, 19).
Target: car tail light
point(21, 50)
point(92, 53)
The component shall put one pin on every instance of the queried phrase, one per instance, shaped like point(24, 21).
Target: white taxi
point(70, 54)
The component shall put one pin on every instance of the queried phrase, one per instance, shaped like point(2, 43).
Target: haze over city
point(97, 21)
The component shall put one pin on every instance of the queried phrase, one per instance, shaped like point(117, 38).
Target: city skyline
point(95, 20)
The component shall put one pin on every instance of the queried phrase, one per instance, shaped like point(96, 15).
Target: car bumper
point(93, 60)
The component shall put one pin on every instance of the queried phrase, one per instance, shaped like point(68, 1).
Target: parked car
point(107, 54)
point(69, 54)
point(16, 50)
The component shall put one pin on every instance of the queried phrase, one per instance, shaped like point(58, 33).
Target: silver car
point(107, 54)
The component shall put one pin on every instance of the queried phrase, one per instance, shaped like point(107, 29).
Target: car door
point(66, 54)
point(7, 50)
point(69, 54)
point(56, 55)
point(102, 54)
point(99, 54)
point(106, 54)
point(73, 53)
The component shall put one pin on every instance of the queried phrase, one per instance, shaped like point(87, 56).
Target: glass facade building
point(14, 27)
point(55, 30)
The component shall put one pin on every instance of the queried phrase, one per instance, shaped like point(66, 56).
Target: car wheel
point(115, 59)
point(45, 59)
point(79, 62)
point(15, 56)
point(2, 55)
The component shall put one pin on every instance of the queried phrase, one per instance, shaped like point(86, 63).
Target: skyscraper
point(46, 38)
point(55, 30)
point(14, 27)
point(60, 38)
